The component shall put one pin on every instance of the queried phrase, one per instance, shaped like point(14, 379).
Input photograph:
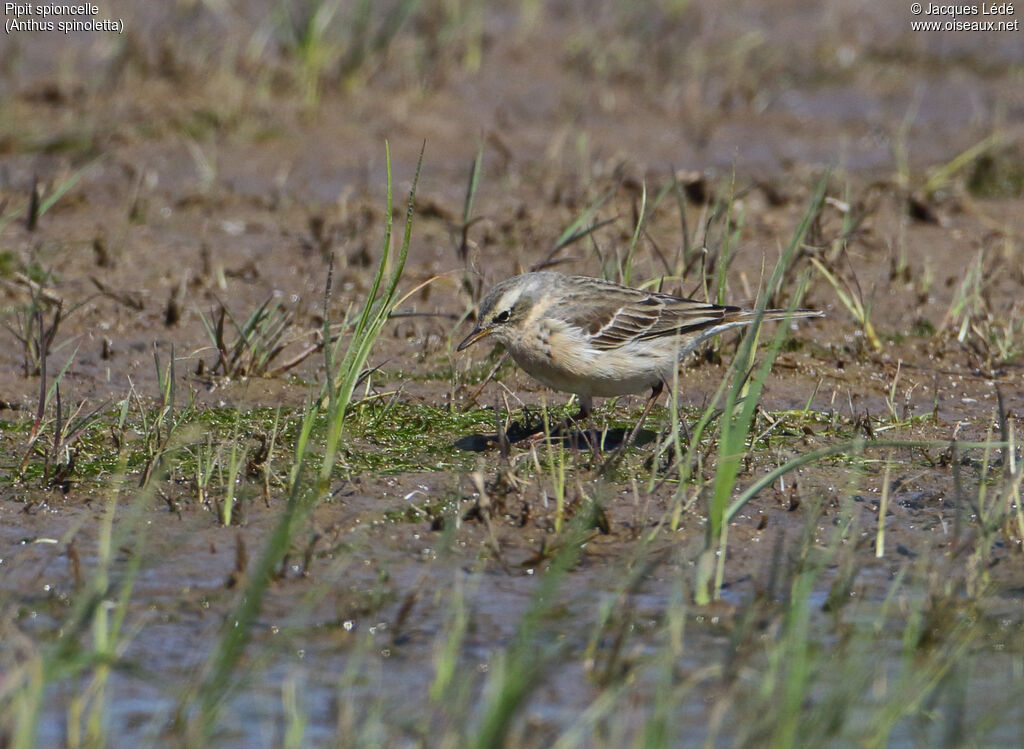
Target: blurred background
point(296, 96)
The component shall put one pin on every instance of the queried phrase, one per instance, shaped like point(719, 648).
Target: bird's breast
point(561, 357)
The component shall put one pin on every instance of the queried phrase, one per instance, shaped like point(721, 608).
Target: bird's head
point(504, 308)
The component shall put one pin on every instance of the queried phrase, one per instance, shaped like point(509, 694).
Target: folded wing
point(640, 316)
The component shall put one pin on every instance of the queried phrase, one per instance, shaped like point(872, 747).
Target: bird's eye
point(503, 316)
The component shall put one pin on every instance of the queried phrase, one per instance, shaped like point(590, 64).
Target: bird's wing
point(624, 315)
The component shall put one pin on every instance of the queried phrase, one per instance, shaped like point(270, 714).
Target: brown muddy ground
point(208, 179)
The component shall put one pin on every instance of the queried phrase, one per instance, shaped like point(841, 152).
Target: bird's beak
point(473, 337)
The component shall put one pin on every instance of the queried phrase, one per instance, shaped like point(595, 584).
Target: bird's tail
point(749, 316)
point(737, 318)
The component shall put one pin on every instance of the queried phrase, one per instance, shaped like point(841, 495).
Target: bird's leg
point(586, 408)
point(569, 423)
point(616, 456)
point(566, 425)
point(656, 392)
point(564, 428)
point(590, 436)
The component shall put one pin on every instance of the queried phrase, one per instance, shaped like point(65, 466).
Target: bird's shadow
point(605, 440)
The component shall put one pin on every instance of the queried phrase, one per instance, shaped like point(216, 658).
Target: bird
point(596, 338)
